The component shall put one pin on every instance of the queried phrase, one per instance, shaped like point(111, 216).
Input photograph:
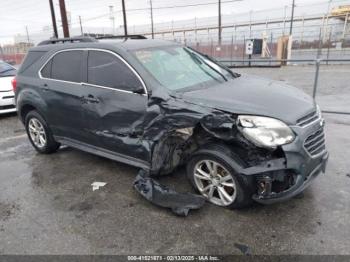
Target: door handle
point(90, 99)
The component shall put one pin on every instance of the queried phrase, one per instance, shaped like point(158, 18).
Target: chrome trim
point(319, 117)
point(311, 123)
point(83, 83)
point(110, 88)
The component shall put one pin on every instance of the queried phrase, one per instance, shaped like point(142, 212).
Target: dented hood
point(257, 96)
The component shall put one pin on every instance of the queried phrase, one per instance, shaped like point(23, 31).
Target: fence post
point(302, 33)
point(271, 46)
point(329, 44)
point(318, 62)
point(344, 28)
point(243, 49)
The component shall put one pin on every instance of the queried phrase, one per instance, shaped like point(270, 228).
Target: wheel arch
point(29, 100)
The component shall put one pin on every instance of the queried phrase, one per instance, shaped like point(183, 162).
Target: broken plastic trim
point(179, 203)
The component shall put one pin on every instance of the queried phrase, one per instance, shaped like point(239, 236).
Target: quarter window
point(46, 71)
point(105, 69)
point(65, 66)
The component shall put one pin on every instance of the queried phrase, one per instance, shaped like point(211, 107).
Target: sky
point(17, 15)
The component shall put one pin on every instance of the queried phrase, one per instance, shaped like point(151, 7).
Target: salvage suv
point(157, 105)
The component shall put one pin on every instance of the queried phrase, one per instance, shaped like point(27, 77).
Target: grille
point(309, 118)
point(315, 143)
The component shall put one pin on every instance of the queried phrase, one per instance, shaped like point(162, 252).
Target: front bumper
point(298, 161)
point(7, 104)
point(301, 183)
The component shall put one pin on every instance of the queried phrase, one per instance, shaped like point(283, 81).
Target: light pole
point(152, 25)
point(285, 17)
point(111, 17)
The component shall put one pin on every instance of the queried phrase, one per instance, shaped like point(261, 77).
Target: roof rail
point(68, 39)
point(121, 37)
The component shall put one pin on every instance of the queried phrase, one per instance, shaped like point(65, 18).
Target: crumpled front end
point(304, 159)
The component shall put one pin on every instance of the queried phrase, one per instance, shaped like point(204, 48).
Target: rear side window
point(105, 69)
point(65, 66)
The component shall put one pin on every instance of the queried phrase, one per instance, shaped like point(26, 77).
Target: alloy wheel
point(37, 133)
point(215, 182)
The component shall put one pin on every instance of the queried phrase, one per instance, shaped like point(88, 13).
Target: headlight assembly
point(265, 131)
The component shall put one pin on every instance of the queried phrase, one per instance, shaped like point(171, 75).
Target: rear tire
point(39, 134)
point(211, 172)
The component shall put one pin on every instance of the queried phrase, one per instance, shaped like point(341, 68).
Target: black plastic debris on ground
point(179, 203)
point(244, 249)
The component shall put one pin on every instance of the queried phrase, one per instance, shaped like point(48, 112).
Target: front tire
point(39, 134)
point(213, 175)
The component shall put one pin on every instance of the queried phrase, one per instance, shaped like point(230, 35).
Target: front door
point(111, 108)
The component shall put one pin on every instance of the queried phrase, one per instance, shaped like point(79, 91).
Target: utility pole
point(64, 18)
point(27, 34)
point(219, 23)
point(81, 26)
point(292, 19)
point(152, 25)
point(53, 17)
point(111, 17)
point(124, 17)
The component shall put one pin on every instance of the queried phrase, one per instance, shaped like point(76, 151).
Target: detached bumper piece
point(300, 183)
point(179, 203)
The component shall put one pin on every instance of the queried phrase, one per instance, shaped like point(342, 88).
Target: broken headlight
point(265, 131)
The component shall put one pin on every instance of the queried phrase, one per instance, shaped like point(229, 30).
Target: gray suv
point(157, 105)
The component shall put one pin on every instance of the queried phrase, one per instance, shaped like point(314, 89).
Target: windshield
point(6, 70)
point(178, 67)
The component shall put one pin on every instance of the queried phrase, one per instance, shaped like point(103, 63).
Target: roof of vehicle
point(126, 44)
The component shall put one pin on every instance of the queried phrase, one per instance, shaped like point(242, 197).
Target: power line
point(161, 7)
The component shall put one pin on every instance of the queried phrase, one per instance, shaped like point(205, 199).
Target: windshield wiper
point(234, 75)
point(198, 58)
point(200, 62)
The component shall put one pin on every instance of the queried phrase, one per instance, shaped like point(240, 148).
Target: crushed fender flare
point(160, 195)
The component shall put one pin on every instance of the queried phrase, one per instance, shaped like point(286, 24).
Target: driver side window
point(105, 69)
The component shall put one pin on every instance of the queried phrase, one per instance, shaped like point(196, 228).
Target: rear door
point(62, 84)
point(112, 109)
